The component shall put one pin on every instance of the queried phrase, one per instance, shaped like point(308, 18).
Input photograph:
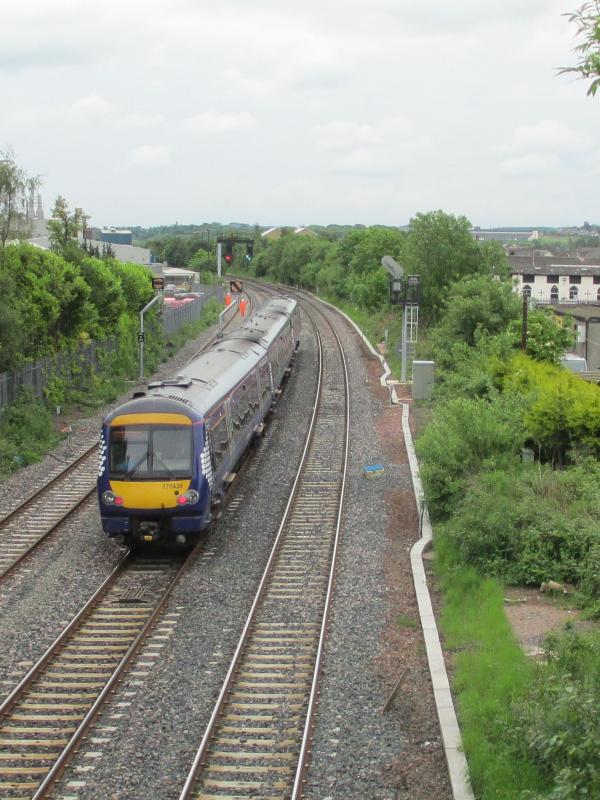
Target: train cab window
point(150, 452)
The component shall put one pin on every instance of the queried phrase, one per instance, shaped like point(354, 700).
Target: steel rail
point(35, 670)
point(31, 499)
point(42, 672)
point(15, 545)
point(59, 766)
point(197, 763)
point(243, 698)
point(308, 726)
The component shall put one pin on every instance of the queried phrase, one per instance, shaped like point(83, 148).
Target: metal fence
point(74, 366)
point(175, 317)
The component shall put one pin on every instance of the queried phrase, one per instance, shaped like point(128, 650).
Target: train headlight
point(111, 499)
point(190, 497)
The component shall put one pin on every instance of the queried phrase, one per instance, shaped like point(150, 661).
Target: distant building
point(272, 234)
point(124, 252)
point(505, 235)
point(116, 236)
point(275, 233)
point(554, 279)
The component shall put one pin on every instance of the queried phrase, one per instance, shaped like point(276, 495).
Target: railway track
point(24, 528)
point(257, 740)
point(46, 716)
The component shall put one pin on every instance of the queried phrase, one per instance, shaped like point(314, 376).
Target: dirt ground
point(534, 615)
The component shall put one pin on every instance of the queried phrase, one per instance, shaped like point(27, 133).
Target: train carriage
point(167, 453)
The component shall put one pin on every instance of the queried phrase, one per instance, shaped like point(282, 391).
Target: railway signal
point(249, 251)
point(228, 251)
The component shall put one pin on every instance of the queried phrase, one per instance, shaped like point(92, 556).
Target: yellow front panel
point(149, 494)
point(151, 419)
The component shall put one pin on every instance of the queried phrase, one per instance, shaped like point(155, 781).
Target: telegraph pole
point(524, 323)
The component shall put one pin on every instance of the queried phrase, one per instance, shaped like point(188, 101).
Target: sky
point(320, 112)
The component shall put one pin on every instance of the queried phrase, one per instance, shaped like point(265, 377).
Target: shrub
point(528, 525)
point(558, 726)
point(464, 437)
point(26, 433)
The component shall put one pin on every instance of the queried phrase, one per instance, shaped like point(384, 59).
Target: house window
point(596, 278)
point(574, 278)
point(551, 278)
point(573, 292)
point(598, 296)
point(526, 291)
point(554, 294)
point(528, 278)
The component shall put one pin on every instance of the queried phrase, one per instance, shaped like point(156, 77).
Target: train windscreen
point(150, 452)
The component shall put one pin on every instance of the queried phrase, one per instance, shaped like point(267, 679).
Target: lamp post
point(141, 334)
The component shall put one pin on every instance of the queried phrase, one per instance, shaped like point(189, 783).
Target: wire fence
point(79, 364)
point(189, 310)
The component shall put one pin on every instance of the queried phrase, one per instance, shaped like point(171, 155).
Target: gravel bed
point(150, 734)
point(357, 751)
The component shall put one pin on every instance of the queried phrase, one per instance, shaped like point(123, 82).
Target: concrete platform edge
point(455, 758)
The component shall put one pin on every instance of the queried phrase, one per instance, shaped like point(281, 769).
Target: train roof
point(264, 326)
point(215, 372)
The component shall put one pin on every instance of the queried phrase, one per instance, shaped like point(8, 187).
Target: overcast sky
point(281, 113)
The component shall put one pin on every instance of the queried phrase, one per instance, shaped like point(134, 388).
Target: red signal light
point(228, 258)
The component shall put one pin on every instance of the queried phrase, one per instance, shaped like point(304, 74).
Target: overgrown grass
point(26, 434)
point(491, 674)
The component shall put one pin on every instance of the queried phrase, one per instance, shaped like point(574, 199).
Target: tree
point(50, 297)
point(476, 306)
point(14, 183)
point(11, 323)
point(200, 262)
point(587, 20)
point(63, 229)
point(440, 248)
point(548, 336)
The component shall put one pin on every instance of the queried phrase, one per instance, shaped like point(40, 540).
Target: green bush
point(527, 525)
point(563, 412)
point(26, 433)
point(558, 726)
point(464, 437)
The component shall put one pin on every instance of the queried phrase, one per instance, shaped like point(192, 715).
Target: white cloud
point(220, 122)
point(90, 106)
point(151, 155)
point(529, 164)
point(137, 119)
point(341, 135)
point(257, 86)
point(546, 135)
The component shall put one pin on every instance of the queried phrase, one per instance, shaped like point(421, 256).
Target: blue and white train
point(168, 453)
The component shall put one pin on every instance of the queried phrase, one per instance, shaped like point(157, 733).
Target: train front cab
point(154, 477)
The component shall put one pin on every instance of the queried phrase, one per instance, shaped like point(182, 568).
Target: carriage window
point(265, 380)
point(219, 442)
